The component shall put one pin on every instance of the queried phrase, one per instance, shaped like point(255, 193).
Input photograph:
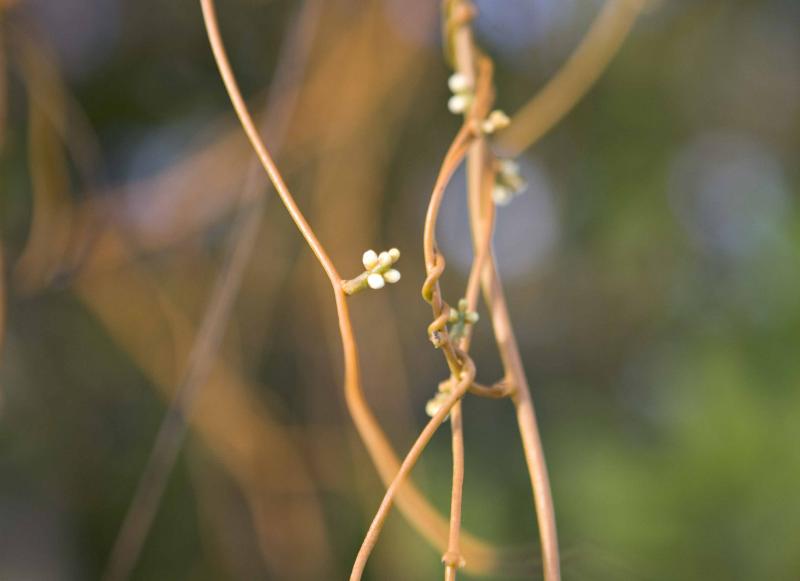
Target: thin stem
point(526, 420)
point(215, 39)
point(455, 154)
point(464, 60)
point(452, 559)
point(499, 390)
point(408, 464)
point(592, 56)
point(517, 383)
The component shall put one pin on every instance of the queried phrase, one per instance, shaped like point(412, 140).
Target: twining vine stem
point(416, 507)
point(466, 57)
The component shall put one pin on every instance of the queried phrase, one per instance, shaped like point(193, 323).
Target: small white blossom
point(385, 259)
point(463, 94)
point(391, 276)
point(369, 259)
point(375, 281)
point(501, 195)
point(460, 318)
point(509, 166)
point(496, 120)
point(435, 404)
point(508, 182)
point(458, 83)
point(459, 103)
point(377, 271)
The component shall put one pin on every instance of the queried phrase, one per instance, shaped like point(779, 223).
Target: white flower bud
point(509, 167)
point(453, 316)
point(395, 254)
point(391, 276)
point(496, 120)
point(458, 103)
point(499, 118)
point(432, 407)
point(384, 259)
point(369, 259)
point(375, 281)
point(501, 195)
point(458, 83)
point(516, 183)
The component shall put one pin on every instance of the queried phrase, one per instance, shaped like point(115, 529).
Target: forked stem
point(408, 464)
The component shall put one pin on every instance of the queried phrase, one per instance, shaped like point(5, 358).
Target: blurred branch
point(2, 301)
point(51, 220)
point(232, 422)
point(143, 508)
point(50, 92)
point(592, 56)
point(4, 98)
point(58, 133)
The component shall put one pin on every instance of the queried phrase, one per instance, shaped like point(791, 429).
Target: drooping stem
point(242, 112)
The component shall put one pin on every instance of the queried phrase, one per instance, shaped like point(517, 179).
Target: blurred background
point(651, 269)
